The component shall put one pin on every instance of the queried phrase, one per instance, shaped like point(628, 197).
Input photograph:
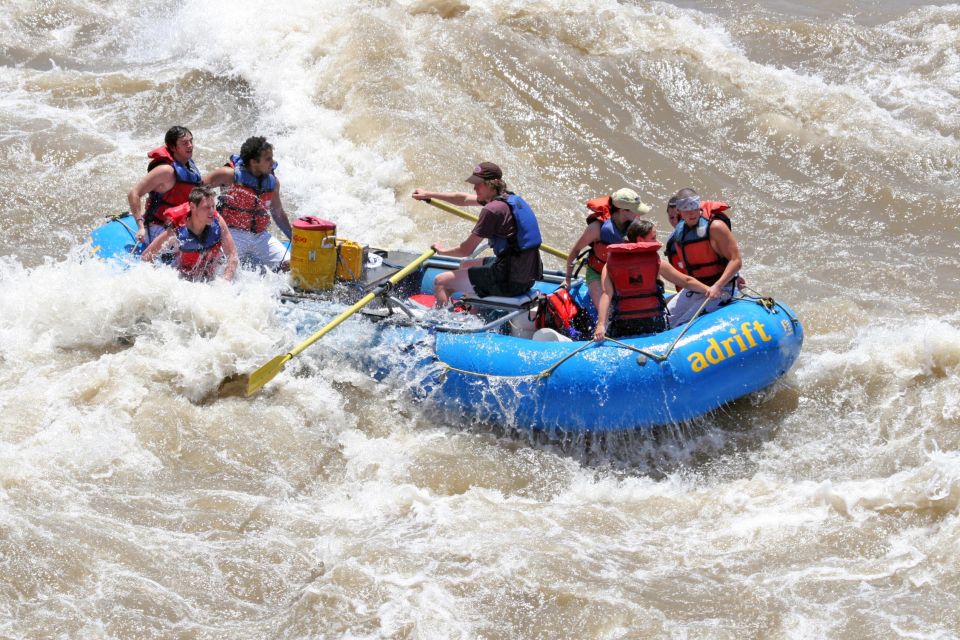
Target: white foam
point(906, 350)
point(282, 54)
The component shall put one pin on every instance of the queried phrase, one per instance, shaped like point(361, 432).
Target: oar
point(457, 211)
point(268, 372)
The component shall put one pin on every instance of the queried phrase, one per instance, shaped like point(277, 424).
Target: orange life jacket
point(634, 269)
point(692, 253)
point(599, 209)
point(187, 177)
point(710, 210)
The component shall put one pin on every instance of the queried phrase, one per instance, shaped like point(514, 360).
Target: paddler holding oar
point(510, 225)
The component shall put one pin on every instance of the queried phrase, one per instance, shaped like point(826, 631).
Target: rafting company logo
point(720, 350)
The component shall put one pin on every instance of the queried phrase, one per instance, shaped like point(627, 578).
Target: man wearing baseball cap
point(607, 224)
point(510, 225)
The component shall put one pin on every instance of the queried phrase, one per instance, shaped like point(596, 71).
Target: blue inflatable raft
point(487, 375)
point(619, 385)
point(115, 238)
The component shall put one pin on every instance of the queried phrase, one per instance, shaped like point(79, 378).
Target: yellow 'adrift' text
point(719, 350)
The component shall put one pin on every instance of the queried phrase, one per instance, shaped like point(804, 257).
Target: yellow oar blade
point(460, 213)
point(256, 380)
point(265, 374)
point(234, 386)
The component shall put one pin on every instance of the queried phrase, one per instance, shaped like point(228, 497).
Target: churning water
point(134, 506)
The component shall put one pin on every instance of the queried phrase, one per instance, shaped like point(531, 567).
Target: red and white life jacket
point(246, 205)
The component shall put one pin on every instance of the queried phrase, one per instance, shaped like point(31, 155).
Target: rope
point(536, 376)
point(661, 358)
point(766, 302)
point(117, 217)
point(630, 347)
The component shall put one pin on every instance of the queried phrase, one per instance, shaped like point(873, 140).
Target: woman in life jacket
point(171, 174)
point(631, 284)
point(200, 237)
point(606, 225)
point(710, 210)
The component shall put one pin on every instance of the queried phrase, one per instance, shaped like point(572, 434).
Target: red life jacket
point(247, 204)
point(634, 269)
point(187, 177)
point(557, 311)
point(177, 216)
point(200, 255)
point(703, 258)
point(715, 209)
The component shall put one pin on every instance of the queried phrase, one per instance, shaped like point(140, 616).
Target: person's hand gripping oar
point(248, 384)
point(457, 211)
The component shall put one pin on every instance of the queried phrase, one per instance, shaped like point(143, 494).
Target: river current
point(133, 505)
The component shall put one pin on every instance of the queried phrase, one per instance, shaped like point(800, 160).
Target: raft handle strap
point(536, 376)
point(662, 358)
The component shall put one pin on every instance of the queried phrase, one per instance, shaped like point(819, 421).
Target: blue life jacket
point(199, 255)
point(241, 175)
point(609, 234)
point(528, 231)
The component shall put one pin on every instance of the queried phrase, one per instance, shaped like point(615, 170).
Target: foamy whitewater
point(136, 504)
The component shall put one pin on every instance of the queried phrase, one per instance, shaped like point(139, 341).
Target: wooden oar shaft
point(460, 213)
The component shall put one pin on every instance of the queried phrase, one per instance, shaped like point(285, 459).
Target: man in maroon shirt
point(515, 268)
